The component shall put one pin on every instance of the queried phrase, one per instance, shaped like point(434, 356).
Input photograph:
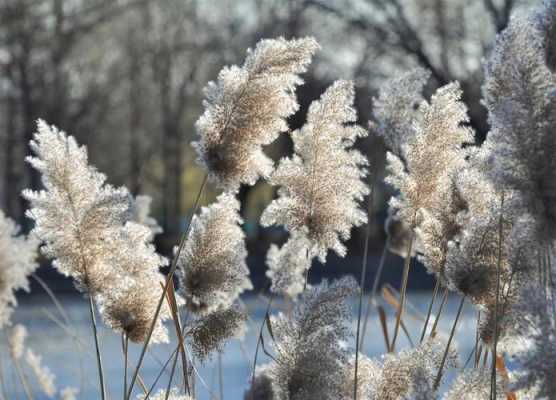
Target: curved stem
point(403, 291)
point(97, 348)
point(452, 332)
point(433, 298)
point(362, 284)
point(173, 268)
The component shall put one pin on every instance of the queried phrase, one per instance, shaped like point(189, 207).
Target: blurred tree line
point(126, 76)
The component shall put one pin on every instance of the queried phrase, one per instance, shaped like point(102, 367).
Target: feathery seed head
point(321, 186)
point(210, 332)
point(16, 341)
point(17, 261)
point(44, 376)
point(213, 271)
point(247, 107)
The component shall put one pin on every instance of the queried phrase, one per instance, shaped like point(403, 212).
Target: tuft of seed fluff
point(212, 268)
point(320, 187)
point(17, 261)
point(367, 369)
point(474, 385)
point(520, 96)
point(42, 373)
point(409, 374)
point(86, 228)
point(261, 388)
point(210, 332)
point(16, 341)
point(395, 110)
point(308, 345)
point(69, 393)
point(425, 178)
point(141, 213)
point(288, 265)
point(247, 107)
point(164, 395)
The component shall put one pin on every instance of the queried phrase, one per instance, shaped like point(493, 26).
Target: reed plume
point(321, 185)
point(17, 261)
point(246, 108)
point(212, 268)
point(473, 385)
point(44, 376)
point(302, 370)
point(85, 225)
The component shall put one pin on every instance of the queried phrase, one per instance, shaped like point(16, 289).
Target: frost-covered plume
point(16, 341)
point(321, 185)
point(85, 226)
point(261, 388)
point(288, 265)
point(69, 393)
point(308, 349)
point(212, 268)
point(210, 332)
point(367, 370)
point(536, 324)
point(395, 110)
point(424, 179)
point(17, 262)
point(247, 107)
point(141, 213)
point(409, 374)
point(520, 95)
point(474, 385)
point(42, 373)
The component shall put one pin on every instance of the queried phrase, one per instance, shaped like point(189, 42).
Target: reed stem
point(403, 291)
point(362, 283)
point(173, 268)
point(372, 297)
point(97, 348)
point(445, 355)
point(433, 298)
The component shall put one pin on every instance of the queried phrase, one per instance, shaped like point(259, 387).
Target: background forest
point(125, 78)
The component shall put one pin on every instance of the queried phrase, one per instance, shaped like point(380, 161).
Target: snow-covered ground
point(70, 355)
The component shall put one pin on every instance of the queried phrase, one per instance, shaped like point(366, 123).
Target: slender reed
point(440, 308)
point(429, 311)
point(260, 337)
point(452, 332)
point(220, 377)
point(166, 286)
point(372, 297)
point(97, 348)
point(403, 291)
point(125, 344)
point(362, 281)
point(498, 268)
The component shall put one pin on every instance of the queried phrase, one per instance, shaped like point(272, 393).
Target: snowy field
point(71, 354)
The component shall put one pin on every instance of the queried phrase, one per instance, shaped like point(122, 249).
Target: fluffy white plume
point(288, 265)
point(321, 186)
point(16, 341)
point(85, 226)
point(44, 376)
point(140, 213)
point(247, 107)
point(212, 267)
point(17, 262)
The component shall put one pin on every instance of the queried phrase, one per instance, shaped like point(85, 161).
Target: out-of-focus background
point(125, 77)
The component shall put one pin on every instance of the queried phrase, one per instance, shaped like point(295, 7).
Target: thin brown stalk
point(403, 291)
point(429, 311)
point(477, 338)
point(372, 297)
point(498, 273)
point(220, 377)
point(169, 386)
point(125, 345)
point(97, 348)
point(446, 351)
point(384, 325)
point(260, 337)
point(173, 268)
point(362, 283)
point(439, 312)
point(53, 297)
